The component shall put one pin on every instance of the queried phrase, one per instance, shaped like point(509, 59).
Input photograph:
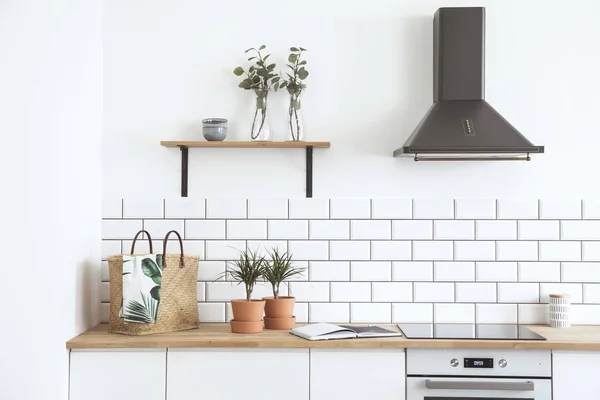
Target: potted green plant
point(247, 313)
point(260, 78)
point(279, 310)
point(294, 83)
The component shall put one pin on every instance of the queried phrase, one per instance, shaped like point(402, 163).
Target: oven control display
point(479, 363)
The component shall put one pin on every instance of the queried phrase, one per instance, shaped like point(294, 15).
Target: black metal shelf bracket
point(185, 170)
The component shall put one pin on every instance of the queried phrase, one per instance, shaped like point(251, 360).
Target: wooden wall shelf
point(184, 146)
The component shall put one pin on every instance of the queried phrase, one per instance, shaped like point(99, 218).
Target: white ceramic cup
point(559, 307)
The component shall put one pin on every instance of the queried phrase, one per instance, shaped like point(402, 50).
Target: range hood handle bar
point(434, 158)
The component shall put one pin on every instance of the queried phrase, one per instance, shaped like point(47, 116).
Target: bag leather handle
point(181, 262)
point(135, 238)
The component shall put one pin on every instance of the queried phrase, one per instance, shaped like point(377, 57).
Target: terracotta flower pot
point(285, 323)
point(247, 311)
point(280, 307)
point(246, 327)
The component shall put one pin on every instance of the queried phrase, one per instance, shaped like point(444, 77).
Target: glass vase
point(260, 131)
point(295, 118)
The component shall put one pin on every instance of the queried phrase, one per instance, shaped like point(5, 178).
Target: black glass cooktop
point(469, 331)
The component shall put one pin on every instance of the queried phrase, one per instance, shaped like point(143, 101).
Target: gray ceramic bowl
point(214, 129)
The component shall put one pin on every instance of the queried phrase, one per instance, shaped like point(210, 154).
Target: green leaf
point(251, 58)
point(271, 67)
point(251, 48)
point(262, 64)
point(276, 86)
point(292, 58)
point(302, 73)
point(276, 79)
point(256, 79)
point(157, 279)
point(294, 49)
point(283, 84)
point(302, 49)
point(159, 261)
point(155, 293)
point(150, 268)
point(126, 273)
point(265, 57)
point(262, 47)
point(251, 69)
point(238, 71)
point(302, 62)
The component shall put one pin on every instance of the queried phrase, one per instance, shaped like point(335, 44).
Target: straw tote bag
point(178, 306)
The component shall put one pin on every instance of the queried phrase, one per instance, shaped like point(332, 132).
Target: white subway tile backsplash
point(264, 247)
point(301, 313)
point(390, 250)
point(580, 230)
point(412, 230)
point(517, 251)
point(475, 209)
point(364, 313)
point(350, 250)
point(329, 229)
point(392, 292)
point(309, 250)
point(371, 271)
point(497, 230)
point(391, 208)
point(539, 230)
point(185, 207)
point(475, 251)
point(224, 249)
point(371, 229)
point(210, 270)
point(267, 208)
point(104, 274)
point(224, 291)
point(454, 230)
point(560, 251)
point(539, 272)
point(329, 312)
point(104, 292)
point(412, 313)
point(158, 228)
point(575, 290)
point(496, 271)
point(475, 292)
point(211, 312)
point(433, 251)
point(287, 229)
point(454, 313)
point(200, 291)
point(350, 291)
point(560, 209)
point(496, 313)
point(246, 229)
point(412, 271)
point(111, 248)
point(591, 209)
point(226, 208)
point(205, 229)
point(309, 291)
point(433, 209)
point(451, 271)
point(104, 312)
point(518, 293)
point(120, 228)
point(580, 272)
point(433, 292)
point(533, 313)
point(329, 271)
point(309, 208)
point(112, 208)
point(591, 293)
point(190, 247)
point(517, 209)
point(591, 251)
point(350, 209)
point(143, 208)
point(585, 314)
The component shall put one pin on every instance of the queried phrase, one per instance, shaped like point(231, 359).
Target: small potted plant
point(294, 83)
point(279, 310)
point(247, 313)
point(260, 77)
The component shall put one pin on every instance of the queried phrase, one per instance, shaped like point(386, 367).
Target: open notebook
point(324, 331)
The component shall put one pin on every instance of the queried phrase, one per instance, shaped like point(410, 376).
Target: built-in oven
point(478, 374)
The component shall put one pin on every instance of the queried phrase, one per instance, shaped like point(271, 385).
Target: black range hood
point(461, 125)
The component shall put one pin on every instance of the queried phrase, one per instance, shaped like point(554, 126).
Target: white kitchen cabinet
point(249, 374)
point(117, 374)
point(357, 374)
point(575, 375)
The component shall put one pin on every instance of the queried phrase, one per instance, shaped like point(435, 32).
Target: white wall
point(168, 65)
point(51, 127)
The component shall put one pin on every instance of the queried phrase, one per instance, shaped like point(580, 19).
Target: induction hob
point(469, 331)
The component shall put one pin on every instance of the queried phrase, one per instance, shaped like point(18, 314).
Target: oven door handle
point(479, 385)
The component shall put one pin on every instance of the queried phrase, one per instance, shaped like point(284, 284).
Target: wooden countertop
point(220, 336)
